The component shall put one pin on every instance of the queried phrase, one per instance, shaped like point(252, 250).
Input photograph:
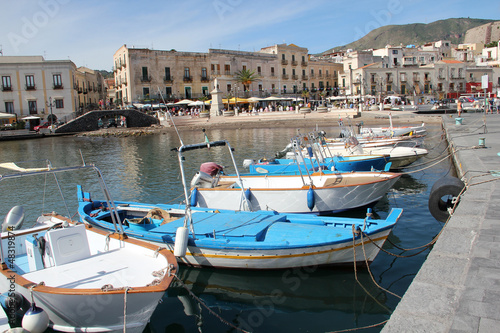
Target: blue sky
point(89, 32)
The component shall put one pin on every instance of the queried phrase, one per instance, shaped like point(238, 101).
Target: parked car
point(43, 125)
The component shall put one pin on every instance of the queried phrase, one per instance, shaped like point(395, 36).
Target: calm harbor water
point(300, 300)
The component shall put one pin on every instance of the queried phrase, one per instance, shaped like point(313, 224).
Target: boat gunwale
point(165, 282)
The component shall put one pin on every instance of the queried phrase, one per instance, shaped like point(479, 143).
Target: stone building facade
point(91, 89)
point(144, 74)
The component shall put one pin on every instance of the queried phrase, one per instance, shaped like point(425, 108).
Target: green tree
point(246, 77)
point(305, 95)
point(203, 99)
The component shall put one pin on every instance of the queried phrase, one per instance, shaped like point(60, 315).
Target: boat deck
point(101, 269)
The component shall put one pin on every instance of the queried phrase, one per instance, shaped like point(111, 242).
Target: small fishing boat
point(333, 164)
point(242, 239)
point(81, 278)
point(393, 131)
point(310, 192)
point(399, 156)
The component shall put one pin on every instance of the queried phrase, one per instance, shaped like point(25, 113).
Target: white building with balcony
point(33, 86)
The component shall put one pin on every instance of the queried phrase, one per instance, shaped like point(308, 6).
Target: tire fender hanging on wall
point(443, 195)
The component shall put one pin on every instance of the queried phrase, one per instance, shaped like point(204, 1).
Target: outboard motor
point(14, 219)
point(202, 179)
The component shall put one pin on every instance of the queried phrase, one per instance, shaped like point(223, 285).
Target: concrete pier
point(458, 287)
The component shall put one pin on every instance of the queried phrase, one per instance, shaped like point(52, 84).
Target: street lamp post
point(50, 105)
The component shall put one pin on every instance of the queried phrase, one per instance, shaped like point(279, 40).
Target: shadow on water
point(254, 300)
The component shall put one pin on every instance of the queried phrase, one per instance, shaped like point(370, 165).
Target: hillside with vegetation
point(453, 29)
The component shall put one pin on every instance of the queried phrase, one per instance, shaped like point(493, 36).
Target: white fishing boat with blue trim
point(245, 240)
point(305, 192)
point(242, 238)
point(77, 278)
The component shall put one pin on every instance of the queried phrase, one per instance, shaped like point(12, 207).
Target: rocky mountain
point(453, 29)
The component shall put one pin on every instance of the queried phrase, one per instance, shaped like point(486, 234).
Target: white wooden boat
point(327, 193)
point(86, 280)
point(393, 131)
point(399, 156)
point(318, 192)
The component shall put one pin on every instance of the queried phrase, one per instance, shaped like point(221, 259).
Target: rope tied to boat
point(125, 309)
point(157, 251)
point(161, 272)
point(109, 287)
point(41, 283)
point(155, 282)
point(106, 246)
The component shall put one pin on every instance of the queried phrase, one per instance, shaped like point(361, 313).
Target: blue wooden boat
point(242, 239)
point(334, 163)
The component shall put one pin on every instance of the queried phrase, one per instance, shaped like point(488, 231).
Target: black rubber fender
point(442, 193)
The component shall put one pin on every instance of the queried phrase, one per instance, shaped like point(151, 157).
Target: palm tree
point(203, 99)
point(228, 96)
point(305, 95)
point(246, 77)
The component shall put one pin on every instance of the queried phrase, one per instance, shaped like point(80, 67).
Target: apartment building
point(91, 89)
point(144, 74)
point(33, 86)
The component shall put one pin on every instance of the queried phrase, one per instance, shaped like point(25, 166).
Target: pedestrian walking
point(459, 108)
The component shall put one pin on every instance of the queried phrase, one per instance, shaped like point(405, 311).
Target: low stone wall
point(89, 121)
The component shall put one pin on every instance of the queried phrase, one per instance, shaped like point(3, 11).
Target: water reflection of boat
point(305, 291)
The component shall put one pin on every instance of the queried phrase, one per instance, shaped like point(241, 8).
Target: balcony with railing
point(284, 77)
point(305, 77)
point(215, 72)
point(187, 79)
point(31, 87)
point(6, 88)
point(168, 78)
point(303, 63)
point(295, 77)
point(56, 86)
point(145, 78)
point(294, 63)
point(205, 78)
point(284, 62)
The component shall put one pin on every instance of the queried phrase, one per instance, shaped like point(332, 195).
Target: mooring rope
point(125, 309)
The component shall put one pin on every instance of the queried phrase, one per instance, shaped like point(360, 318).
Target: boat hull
point(257, 240)
point(287, 194)
point(94, 313)
point(103, 299)
point(337, 254)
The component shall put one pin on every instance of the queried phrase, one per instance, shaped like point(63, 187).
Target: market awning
point(4, 115)
point(31, 118)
